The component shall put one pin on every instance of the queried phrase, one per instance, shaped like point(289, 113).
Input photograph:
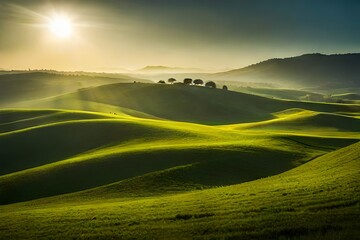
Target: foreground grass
point(316, 200)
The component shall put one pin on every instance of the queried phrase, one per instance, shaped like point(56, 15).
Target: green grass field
point(150, 161)
point(316, 200)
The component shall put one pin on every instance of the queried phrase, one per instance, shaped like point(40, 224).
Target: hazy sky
point(203, 33)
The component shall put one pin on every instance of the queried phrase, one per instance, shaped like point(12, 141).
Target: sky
point(110, 35)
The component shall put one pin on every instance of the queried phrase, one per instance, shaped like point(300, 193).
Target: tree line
point(189, 81)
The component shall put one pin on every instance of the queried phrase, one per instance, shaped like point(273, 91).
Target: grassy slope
point(54, 157)
point(185, 103)
point(74, 102)
point(347, 96)
point(316, 200)
point(280, 93)
point(305, 121)
point(16, 119)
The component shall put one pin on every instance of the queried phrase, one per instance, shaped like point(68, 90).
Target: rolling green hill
point(316, 200)
point(55, 159)
point(299, 120)
point(182, 103)
point(347, 96)
point(280, 93)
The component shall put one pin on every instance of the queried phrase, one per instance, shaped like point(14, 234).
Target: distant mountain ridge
point(309, 70)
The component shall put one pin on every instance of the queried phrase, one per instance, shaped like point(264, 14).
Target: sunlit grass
point(305, 122)
point(309, 201)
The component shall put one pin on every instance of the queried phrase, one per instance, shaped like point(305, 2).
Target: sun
point(61, 26)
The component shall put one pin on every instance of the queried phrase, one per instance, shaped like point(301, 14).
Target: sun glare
point(60, 26)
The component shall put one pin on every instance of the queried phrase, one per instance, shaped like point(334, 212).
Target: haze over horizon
point(210, 35)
